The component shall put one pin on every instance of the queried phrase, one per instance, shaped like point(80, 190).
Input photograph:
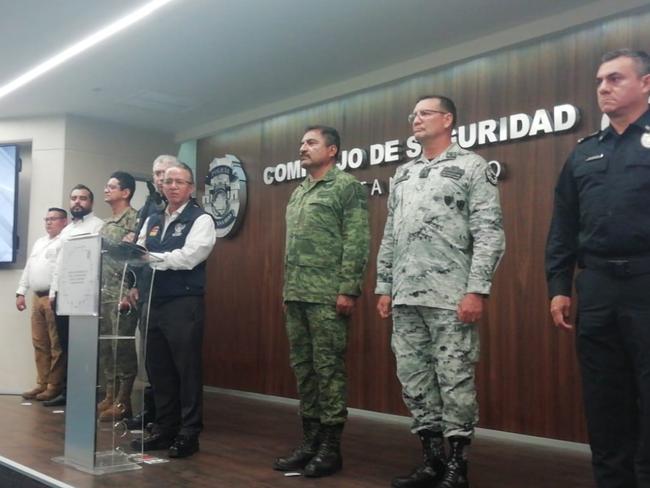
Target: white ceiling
point(195, 61)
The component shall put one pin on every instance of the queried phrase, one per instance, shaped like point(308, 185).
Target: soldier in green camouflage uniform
point(118, 359)
point(442, 242)
point(326, 253)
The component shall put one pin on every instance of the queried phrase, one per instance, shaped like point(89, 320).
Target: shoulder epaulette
point(583, 139)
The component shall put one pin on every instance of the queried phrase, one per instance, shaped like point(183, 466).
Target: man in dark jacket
point(179, 241)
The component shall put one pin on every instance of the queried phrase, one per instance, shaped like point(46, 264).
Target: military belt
point(41, 294)
point(620, 267)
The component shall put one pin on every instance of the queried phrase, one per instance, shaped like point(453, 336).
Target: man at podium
point(179, 239)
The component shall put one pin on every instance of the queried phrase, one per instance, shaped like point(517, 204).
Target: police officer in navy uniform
point(601, 223)
point(179, 240)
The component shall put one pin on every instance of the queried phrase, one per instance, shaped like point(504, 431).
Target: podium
point(106, 350)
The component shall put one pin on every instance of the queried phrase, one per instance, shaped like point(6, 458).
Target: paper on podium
point(130, 253)
point(79, 276)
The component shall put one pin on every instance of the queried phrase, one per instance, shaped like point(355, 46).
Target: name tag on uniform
point(453, 172)
point(594, 158)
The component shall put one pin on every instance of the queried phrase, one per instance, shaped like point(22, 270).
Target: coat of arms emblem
point(225, 194)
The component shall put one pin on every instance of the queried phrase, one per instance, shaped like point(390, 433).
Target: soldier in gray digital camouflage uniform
point(442, 242)
point(118, 359)
point(326, 253)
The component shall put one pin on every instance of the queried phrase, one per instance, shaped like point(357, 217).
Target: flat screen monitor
point(9, 168)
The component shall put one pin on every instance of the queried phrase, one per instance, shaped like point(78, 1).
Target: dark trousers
point(62, 329)
point(613, 341)
point(174, 366)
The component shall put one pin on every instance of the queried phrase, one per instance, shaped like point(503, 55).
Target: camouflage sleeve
point(131, 221)
point(486, 227)
point(356, 239)
point(385, 254)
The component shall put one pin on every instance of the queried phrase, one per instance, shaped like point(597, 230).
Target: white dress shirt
point(88, 224)
point(198, 243)
point(37, 274)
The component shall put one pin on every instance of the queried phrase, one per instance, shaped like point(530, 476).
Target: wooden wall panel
point(527, 377)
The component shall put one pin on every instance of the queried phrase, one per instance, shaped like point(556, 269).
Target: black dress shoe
point(139, 421)
point(152, 442)
point(184, 446)
point(58, 401)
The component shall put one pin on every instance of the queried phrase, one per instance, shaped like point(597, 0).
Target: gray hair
point(165, 159)
point(640, 58)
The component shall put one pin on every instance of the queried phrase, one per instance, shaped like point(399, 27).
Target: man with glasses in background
point(179, 240)
point(442, 242)
point(37, 275)
point(118, 375)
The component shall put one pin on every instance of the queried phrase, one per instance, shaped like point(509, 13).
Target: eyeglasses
point(170, 182)
point(52, 219)
point(424, 114)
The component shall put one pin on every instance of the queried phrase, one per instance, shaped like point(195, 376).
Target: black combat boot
point(301, 455)
point(433, 466)
point(456, 467)
point(328, 459)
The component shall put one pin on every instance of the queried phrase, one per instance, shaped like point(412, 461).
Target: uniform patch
point(491, 176)
point(645, 139)
point(178, 229)
point(153, 232)
point(453, 172)
point(452, 203)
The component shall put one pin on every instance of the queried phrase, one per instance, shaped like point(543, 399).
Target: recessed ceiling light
point(83, 45)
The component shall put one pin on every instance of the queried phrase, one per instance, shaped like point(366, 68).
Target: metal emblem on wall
point(225, 194)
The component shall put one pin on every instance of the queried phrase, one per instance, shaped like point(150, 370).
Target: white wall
point(57, 153)
point(41, 186)
point(94, 149)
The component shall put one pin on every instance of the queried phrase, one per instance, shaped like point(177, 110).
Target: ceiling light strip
point(83, 45)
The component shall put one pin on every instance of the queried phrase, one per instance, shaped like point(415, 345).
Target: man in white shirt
point(155, 203)
point(180, 239)
point(83, 222)
point(50, 365)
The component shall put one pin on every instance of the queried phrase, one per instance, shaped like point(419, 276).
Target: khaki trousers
point(50, 362)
